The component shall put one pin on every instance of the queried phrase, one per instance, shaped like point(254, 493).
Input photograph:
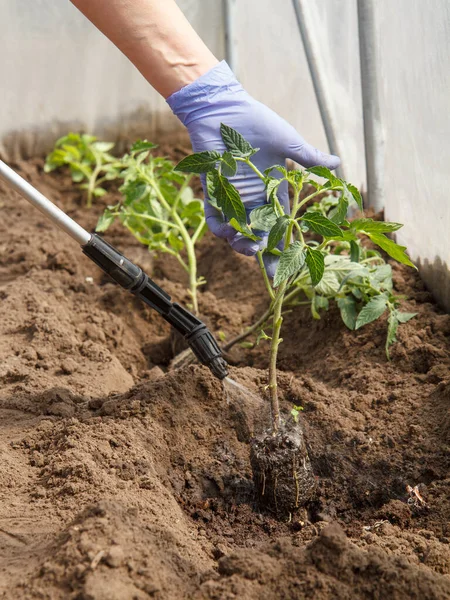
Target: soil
point(124, 480)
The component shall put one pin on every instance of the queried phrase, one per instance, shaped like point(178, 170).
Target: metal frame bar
point(373, 129)
point(318, 80)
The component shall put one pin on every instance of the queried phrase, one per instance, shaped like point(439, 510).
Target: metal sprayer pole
point(373, 130)
point(319, 81)
point(231, 53)
point(42, 203)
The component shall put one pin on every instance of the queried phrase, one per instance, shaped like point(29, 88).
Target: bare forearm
point(155, 36)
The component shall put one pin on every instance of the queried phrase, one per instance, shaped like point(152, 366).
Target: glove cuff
point(205, 90)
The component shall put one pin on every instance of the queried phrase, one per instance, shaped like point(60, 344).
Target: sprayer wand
point(127, 274)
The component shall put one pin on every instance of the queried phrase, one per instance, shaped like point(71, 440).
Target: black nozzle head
point(219, 367)
point(206, 349)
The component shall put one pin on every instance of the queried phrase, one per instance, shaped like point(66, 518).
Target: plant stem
point(264, 274)
point(273, 385)
point(188, 242)
point(93, 180)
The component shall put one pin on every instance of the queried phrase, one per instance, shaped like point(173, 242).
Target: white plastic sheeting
point(57, 71)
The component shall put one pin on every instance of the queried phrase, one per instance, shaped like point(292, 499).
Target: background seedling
point(159, 209)
point(89, 161)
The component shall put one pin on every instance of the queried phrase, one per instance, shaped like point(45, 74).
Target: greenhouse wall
point(58, 73)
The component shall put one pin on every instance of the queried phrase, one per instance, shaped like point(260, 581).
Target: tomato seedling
point(158, 207)
point(320, 255)
point(89, 161)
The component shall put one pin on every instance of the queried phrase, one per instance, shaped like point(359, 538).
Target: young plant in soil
point(303, 240)
point(158, 207)
point(89, 161)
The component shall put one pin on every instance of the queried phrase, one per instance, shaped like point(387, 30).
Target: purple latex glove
point(217, 97)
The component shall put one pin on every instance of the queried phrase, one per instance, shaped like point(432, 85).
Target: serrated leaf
point(355, 252)
point(325, 173)
point(105, 221)
point(133, 190)
point(211, 187)
point(338, 214)
point(272, 185)
point(229, 165)
point(329, 284)
point(394, 250)
point(372, 310)
point(356, 195)
point(347, 307)
point(277, 232)
point(201, 162)
point(245, 230)
point(229, 200)
point(235, 142)
point(404, 317)
point(371, 226)
point(320, 224)
point(290, 263)
point(295, 178)
point(263, 217)
point(141, 145)
point(315, 262)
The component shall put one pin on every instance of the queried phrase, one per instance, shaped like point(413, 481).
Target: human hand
point(217, 97)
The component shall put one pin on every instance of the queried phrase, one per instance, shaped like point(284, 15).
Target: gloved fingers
point(309, 156)
point(271, 263)
point(283, 197)
point(244, 245)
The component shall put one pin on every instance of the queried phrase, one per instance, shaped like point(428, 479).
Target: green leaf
point(211, 178)
point(98, 192)
point(404, 317)
point(394, 250)
point(176, 243)
point(272, 185)
point(295, 178)
point(229, 165)
point(329, 284)
point(290, 263)
point(244, 229)
point(77, 175)
point(195, 207)
point(347, 307)
point(372, 310)
point(103, 146)
point(354, 252)
point(235, 142)
point(133, 190)
point(263, 217)
point(356, 195)
point(229, 200)
point(325, 173)
point(338, 214)
point(141, 145)
point(320, 224)
point(202, 162)
point(105, 221)
point(391, 332)
point(316, 264)
point(277, 232)
point(371, 226)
